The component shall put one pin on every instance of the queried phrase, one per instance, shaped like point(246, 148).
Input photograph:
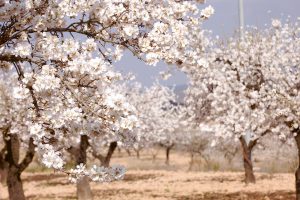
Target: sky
point(223, 23)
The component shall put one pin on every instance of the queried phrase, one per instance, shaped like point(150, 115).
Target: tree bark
point(83, 189)
point(111, 149)
point(14, 184)
point(137, 153)
point(105, 160)
point(83, 186)
point(154, 153)
point(297, 174)
point(191, 161)
point(3, 166)
point(168, 149)
point(128, 152)
point(3, 175)
point(154, 157)
point(14, 171)
point(248, 166)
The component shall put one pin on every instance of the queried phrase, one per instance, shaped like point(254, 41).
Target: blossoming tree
point(63, 52)
point(249, 87)
point(160, 118)
point(158, 112)
point(14, 127)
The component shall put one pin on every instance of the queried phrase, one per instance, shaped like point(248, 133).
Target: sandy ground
point(154, 180)
point(159, 184)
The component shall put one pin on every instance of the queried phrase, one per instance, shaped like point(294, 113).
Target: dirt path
point(159, 184)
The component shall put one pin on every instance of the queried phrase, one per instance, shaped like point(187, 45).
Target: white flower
point(22, 50)
point(128, 122)
point(113, 100)
point(80, 169)
point(20, 92)
point(35, 130)
point(203, 62)
point(118, 53)
point(52, 159)
point(46, 80)
point(152, 58)
point(295, 125)
point(207, 12)
point(160, 27)
point(72, 114)
point(213, 143)
point(276, 23)
point(131, 31)
point(89, 45)
point(119, 171)
point(165, 75)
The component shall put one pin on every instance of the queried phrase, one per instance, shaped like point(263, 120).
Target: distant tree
point(248, 88)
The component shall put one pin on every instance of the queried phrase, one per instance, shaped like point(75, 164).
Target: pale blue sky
point(223, 23)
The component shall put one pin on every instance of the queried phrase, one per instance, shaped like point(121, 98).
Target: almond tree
point(163, 117)
point(14, 117)
point(63, 53)
point(251, 68)
point(194, 140)
point(284, 91)
point(159, 116)
point(242, 84)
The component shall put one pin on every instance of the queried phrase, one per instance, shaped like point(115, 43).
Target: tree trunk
point(3, 175)
point(3, 166)
point(168, 149)
point(105, 160)
point(137, 153)
point(128, 152)
point(154, 153)
point(13, 181)
point(14, 184)
point(111, 149)
point(154, 157)
point(297, 174)
point(247, 151)
point(10, 163)
point(191, 161)
point(83, 189)
point(83, 186)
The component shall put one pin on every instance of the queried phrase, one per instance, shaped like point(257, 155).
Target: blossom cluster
point(97, 174)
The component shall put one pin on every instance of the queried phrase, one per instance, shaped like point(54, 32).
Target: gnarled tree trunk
point(14, 184)
point(247, 153)
point(106, 160)
point(297, 174)
point(83, 186)
point(15, 169)
point(111, 149)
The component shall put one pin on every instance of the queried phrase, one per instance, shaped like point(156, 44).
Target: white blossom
point(276, 23)
point(52, 159)
point(207, 12)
